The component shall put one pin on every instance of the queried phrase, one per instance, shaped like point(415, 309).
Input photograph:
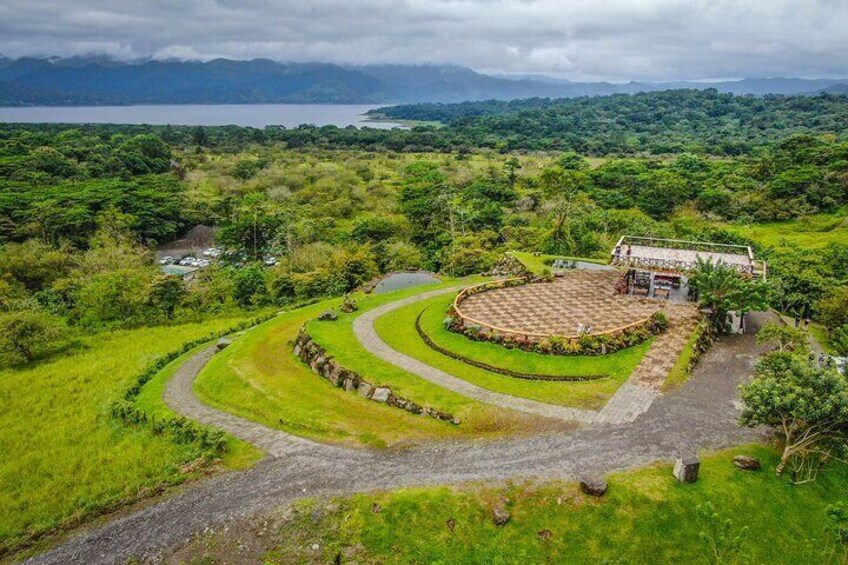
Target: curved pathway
point(363, 328)
point(702, 414)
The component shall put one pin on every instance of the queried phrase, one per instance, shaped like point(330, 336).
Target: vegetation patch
point(655, 520)
point(60, 406)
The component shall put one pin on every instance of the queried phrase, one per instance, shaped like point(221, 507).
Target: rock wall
point(323, 365)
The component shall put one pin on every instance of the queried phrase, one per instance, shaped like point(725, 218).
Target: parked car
point(187, 261)
point(166, 260)
point(212, 252)
point(270, 261)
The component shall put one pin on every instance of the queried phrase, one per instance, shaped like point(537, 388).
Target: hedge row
point(179, 429)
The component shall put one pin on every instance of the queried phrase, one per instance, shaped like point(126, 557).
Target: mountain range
point(102, 81)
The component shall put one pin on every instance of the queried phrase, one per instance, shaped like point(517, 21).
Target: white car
point(212, 252)
point(167, 260)
point(270, 261)
point(186, 261)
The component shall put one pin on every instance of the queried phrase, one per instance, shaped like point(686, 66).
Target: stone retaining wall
point(322, 364)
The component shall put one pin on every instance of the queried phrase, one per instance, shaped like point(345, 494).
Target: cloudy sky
point(575, 39)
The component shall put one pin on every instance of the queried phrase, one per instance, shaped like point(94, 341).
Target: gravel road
point(701, 414)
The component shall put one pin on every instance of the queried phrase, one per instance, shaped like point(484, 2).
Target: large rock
point(365, 389)
point(500, 515)
point(686, 468)
point(328, 316)
point(223, 343)
point(593, 486)
point(747, 463)
point(381, 394)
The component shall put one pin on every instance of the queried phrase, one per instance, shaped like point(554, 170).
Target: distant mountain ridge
point(102, 81)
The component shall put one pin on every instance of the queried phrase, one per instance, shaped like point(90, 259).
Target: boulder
point(381, 394)
point(297, 350)
point(747, 463)
point(328, 316)
point(500, 515)
point(545, 534)
point(349, 384)
point(365, 389)
point(223, 343)
point(593, 486)
point(335, 373)
point(686, 468)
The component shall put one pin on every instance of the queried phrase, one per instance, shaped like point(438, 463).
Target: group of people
point(805, 321)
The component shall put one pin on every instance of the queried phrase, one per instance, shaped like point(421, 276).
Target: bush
point(658, 322)
point(27, 334)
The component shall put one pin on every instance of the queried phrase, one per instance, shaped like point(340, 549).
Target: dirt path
point(702, 414)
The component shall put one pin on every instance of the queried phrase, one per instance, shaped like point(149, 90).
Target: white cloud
point(576, 39)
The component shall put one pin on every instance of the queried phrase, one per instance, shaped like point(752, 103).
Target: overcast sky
point(575, 39)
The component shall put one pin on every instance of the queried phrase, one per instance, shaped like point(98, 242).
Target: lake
point(254, 115)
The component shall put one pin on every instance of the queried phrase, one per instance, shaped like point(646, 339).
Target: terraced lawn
point(398, 330)
point(259, 378)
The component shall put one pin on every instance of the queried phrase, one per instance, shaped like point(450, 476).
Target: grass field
point(398, 330)
point(646, 517)
point(538, 263)
point(258, 377)
point(810, 232)
point(64, 460)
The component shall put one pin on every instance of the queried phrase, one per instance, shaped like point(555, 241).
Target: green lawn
point(398, 330)
point(538, 263)
point(63, 458)
point(810, 232)
point(258, 377)
point(646, 517)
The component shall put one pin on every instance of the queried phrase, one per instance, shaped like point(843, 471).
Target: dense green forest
point(82, 208)
point(656, 123)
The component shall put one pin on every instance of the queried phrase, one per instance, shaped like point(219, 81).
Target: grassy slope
point(259, 378)
point(646, 517)
point(810, 232)
point(63, 458)
point(398, 330)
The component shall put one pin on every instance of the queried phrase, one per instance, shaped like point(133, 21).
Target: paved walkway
point(180, 397)
point(702, 414)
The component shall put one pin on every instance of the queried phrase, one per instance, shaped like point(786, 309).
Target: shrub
point(658, 322)
point(27, 334)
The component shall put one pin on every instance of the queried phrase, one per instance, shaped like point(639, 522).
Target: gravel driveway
point(701, 414)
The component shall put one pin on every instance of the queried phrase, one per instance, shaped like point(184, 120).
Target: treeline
point(655, 123)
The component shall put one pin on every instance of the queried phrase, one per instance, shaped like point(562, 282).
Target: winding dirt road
point(701, 414)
